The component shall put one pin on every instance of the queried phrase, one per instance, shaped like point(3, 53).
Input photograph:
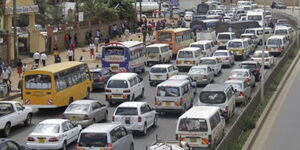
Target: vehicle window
point(235, 45)
point(114, 135)
point(158, 70)
point(96, 106)
point(65, 127)
point(250, 31)
point(46, 128)
point(152, 50)
point(118, 133)
point(186, 88)
point(197, 53)
point(117, 84)
point(116, 51)
point(168, 91)
point(207, 46)
point(126, 111)
point(132, 82)
point(164, 49)
point(12, 146)
point(212, 97)
point(208, 61)
point(198, 46)
point(224, 37)
point(93, 139)
point(38, 81)
point(185, 54)
point(193, 125)
point(220, 54)
point(123, 131)
point(255, 17)
point(281, 32)
point(19, 107)
point(274, 42)
point(144, 109)
point(70, 125)
point(164, 36)
point(170, 69)
point(197, 70)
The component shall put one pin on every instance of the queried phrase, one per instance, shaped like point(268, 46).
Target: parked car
point(135, 116)
point(9, 144)
point(254, 67)
point(86, 112)
point(105, 136)
point(161, 72)
point(278, 5)
point(12, 114)
point(100, 77)
point(53, 134)
point(243, 74)
point(226, 57)
point(186, 77)
point(213, 63)
point(268, 59)
point(242, 90)
point(203, 75)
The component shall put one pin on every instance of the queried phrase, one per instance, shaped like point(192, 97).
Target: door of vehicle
point(230, 101)
point(147, 114)
point(67, 133)
point(134, 88)
point(74, 131)
point(96, 112)
point(140, 84)
point(21, 114)
point(247, 89)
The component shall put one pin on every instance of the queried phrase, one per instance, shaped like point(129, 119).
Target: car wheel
point(28, 120)
point(64, 147)
point(133, 98)
point(155, 121)
point(7, 130)
point(105, 117)
point(145, 129)
point(131, 147)
point(142, 94)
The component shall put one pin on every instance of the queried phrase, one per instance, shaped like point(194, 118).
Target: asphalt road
point(166, 123)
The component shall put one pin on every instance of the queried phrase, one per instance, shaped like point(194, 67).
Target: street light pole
point(15, 31)
point(263, 54)
point(298, 24)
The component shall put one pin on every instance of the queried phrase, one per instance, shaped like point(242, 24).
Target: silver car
point(203, 74)
point(242, 90)
point(86, 112)
point(244, 75)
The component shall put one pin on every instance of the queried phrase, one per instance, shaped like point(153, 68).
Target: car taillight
point(106, 90)
point(181, 139)
point(157, 103)
point(63, 116)
point(267, 59)
point(126, 91)
point(86, 117)
point(53, 139)
point(205, 77)
point(205, 141)
point(248, 80)
point(113, 118)
point(139, 119)
point(109, 146)
point(241, 94)
point(229, 78)
point(30, 138)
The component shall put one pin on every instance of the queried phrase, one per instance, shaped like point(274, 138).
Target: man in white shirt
point(36, 57)
point(5, 75)
point(44, 58)
point(70, 55)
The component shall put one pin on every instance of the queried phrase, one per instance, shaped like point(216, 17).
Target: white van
point(173, 95)
point(224, 37)
point(188, 57)
point(220, 95)
point(124, 87)
point(258, 32)
point(277, 44)
point(161, 72)
point(201, 127)
point(158, 53)
point(255, 16)
point(205, 47)
point(287, 31)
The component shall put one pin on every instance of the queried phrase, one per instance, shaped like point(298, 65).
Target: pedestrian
point(67, 40)
point(5, 75)
point(19, 67)
point(70, 55)
point(97, 41)
point(76, 40)
point(87, 37)
point(81, 59)
point(97, 66)
point(55, 50)
point(144, 32)
point(72, 47)
point(24, 67)
point(44, 58)
point(57, 59)
point(92, 50)
point(36, 57)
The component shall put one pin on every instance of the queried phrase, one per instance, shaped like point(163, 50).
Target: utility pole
point(298, 24)
point(15, 31)
point(262, 82)
point(140, 10)
point(171, 9)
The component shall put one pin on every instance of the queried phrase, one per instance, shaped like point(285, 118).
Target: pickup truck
point(13, 113)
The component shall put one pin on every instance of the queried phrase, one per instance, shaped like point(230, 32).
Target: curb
point(260, 122)
point(11, 97)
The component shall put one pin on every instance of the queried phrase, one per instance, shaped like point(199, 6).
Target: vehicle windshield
point(260, 55)
point(248, 66)
point(224, 37)
point(92, 140)
point(117, 51)
point(235, 45)
point(198, 46)
point(197, 70)
point(168, 91)
point(117, 84)
point(158, 70)
point(237, 86)
point(239, 74)
point(78, 108)
point(212, 97)
point(220, 54)
point(281, 32)
point(46, 128)
point(164, 37)
point(185, 54)
point(274, 42)
point(192, 125)
point(255, 18)
point(5, 108)
point(208, 61)
point(126, 111)
point(38, 81)
point(250, 31)
point(152, 50)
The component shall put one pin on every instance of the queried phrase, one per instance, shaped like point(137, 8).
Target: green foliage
point(50, 13)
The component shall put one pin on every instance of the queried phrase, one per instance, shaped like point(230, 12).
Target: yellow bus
point(177, 39)
point(56, 85)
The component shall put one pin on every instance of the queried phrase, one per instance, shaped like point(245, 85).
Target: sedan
point(100, 77)
point(254, 68)
point(242, 90)
point(86, 112)
point(225, 57)
point(243, 74)
point(213, 63)
point(53, 134)
point(269, 60)
point(203, 75)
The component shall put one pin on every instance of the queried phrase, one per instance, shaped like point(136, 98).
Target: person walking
point(24, 67)
point(70, 55)
point(92, 50)
point(97, 41)
point(75, 39)
point(57, 59)
point(19, 67)
point(36, 57)
point(55, 50)
point(44, 58)
point(72, 47)
point(9, 69)
point(5, 75)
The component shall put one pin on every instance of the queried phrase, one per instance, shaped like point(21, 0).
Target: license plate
point(186, 62)
point(157, 77)
point(42, 140)
point(168, 103)
point(194, 140)
point(114, 68)
point(118, 95)
point(127, 120)
point(74, 118)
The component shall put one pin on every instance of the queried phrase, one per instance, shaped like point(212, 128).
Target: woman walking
point(19, 67)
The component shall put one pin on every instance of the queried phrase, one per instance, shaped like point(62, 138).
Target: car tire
point(142, 94)
point(131, 147)
point(64, 146)
point(144, 132)
point(28, 120)
point(6, 130)
point(105, 117)
point(155, 124)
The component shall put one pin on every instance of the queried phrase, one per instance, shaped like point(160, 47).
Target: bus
point(177, 39)
point(56, 85)
point(128, 56)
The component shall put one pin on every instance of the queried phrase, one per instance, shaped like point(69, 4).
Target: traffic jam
point(181, 92)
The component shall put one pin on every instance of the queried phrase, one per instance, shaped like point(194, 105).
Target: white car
point(243, 74)
point(188, 15)
point(269, 60)
point(53, 134)
point(225, 57)
point(136, 116)
point(213, 63)
point(161, 72)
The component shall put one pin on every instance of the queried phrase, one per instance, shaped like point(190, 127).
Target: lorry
point(13, 113)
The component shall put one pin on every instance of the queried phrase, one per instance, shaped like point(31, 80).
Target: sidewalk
point(83, 51)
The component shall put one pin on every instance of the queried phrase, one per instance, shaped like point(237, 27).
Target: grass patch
point(249, 123)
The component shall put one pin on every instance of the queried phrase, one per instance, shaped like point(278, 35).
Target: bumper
point(98, 85)
point(83, 123)
point(135, 127)
point(226, 63)
point(57, 145)
point(168, 109)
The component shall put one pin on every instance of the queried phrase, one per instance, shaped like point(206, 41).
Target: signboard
point(23, 9)
point(174, 2)
point(80, 16)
